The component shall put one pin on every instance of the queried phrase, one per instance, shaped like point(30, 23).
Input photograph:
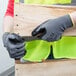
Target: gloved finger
point(15, 38)
point(20, 45)
point(10, 54)
point(36, 31)
point(18, 50)
point(44, 37)
point(59, 37)
point(15, 46)
point(14, 51)
point(19, 57)
point(39, 30)
point(19, 54)
point(53, 37)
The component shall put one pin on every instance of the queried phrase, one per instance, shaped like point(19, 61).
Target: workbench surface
point(49, 68)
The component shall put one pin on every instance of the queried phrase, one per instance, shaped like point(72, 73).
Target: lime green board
point(16, 0)
point(65, 48)
point(37, 50)
point(47, 1)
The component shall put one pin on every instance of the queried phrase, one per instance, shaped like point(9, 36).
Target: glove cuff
point(65, 22)
point(68, 21)
point(72, 20)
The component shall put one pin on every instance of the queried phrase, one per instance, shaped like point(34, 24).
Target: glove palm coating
point(52, 30)
point(14, 44)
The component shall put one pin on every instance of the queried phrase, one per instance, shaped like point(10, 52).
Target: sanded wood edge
point(48, 6)
point(55, 60)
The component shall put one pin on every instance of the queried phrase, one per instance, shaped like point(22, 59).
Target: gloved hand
point(14, 44)
point(52, 30)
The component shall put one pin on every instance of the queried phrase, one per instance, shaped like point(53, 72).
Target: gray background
point(5, 61)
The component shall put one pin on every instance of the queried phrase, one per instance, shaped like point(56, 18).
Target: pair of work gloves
point(50, 30)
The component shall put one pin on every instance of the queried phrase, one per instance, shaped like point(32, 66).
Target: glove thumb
point(15, 38)
point(38, 31)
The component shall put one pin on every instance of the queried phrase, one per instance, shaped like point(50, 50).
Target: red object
point(10, 8)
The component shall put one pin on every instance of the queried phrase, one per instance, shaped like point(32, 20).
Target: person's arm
point(53, 29)
point(8, 18)
point(73, 17)
point(8, 21)
point(8, 24)
point(13, 42)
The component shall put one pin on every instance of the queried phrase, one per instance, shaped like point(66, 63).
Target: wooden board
point(49, 68)
point(27, 17)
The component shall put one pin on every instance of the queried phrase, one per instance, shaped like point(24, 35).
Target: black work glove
point(52, 30)
point(14, 44)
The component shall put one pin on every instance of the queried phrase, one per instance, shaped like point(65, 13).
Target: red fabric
point(10, 8)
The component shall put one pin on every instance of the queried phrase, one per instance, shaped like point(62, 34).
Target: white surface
point(5, 61)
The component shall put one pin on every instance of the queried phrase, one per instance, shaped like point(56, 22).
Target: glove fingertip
point(34, 33)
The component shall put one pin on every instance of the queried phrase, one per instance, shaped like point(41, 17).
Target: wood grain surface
point(49, 68)
point(27, 17)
